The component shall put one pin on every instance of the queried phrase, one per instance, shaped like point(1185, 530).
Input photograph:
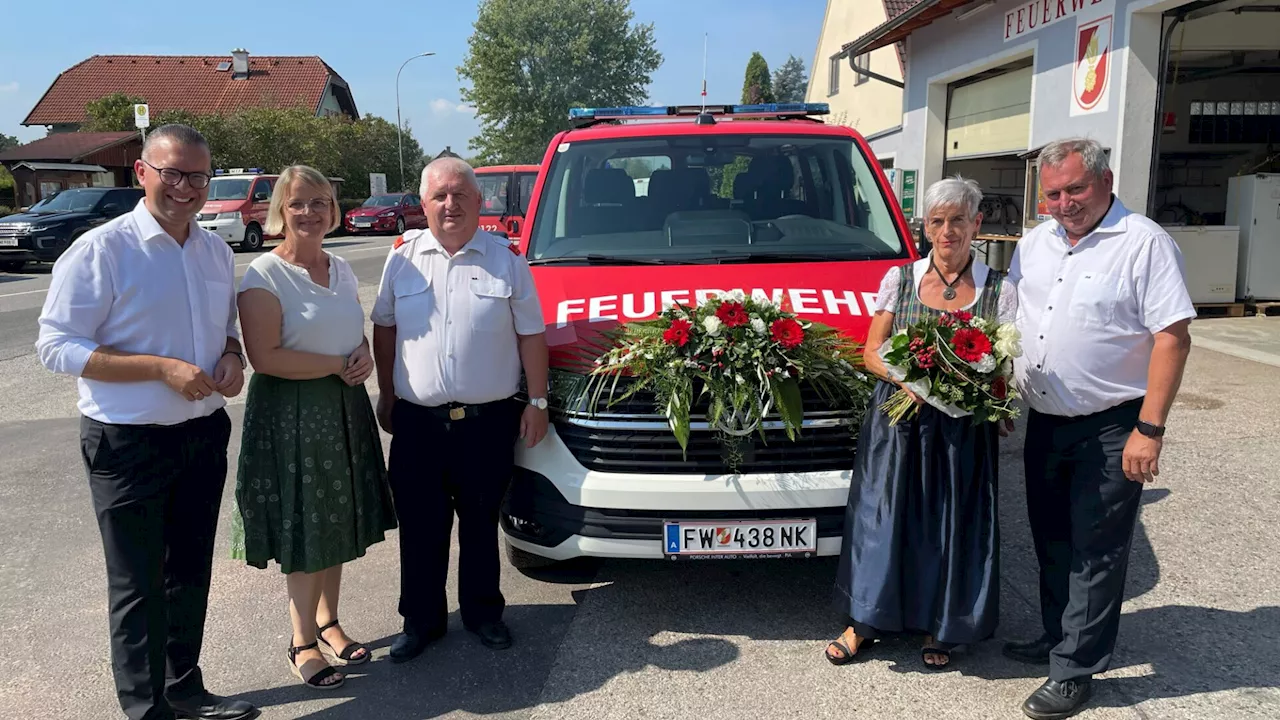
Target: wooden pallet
point(1219, 310)
point(1264, 309)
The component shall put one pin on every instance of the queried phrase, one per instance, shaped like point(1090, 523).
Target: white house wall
point(870, 106)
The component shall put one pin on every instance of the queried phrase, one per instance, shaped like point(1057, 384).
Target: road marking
point(381, 248)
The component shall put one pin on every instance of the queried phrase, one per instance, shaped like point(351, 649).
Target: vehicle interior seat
point(609, 199)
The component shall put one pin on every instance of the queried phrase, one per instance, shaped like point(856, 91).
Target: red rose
point(963, 317)
point(678, 333)
point(732, 314)
point(787, 332)
point(971, 344)
point(999, 388)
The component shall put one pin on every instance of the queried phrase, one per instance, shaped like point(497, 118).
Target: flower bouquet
point(958, 363)
point(749, 355)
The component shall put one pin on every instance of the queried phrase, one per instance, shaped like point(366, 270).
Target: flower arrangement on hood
point(749, 355)
point(958, 363)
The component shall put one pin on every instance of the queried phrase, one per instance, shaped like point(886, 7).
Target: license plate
point(740, 539)
point(362, 223)
point(8, 242)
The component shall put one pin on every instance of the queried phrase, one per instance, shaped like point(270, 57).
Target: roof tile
point(66, 146)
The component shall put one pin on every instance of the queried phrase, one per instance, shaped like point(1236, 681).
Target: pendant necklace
point(949, 289)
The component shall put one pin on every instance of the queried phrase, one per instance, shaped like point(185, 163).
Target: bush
point(5, 210)
point(346, 205)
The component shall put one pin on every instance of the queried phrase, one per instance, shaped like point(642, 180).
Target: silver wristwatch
point(540, 403)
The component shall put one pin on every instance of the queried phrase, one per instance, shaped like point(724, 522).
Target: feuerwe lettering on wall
point(1034, 15)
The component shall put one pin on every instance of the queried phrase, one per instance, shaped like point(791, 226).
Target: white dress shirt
point(457, 318)
point(130, 286)
point(313, 318)
point(1088, 314)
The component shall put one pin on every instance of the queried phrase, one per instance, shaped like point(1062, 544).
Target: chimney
point(239, 63)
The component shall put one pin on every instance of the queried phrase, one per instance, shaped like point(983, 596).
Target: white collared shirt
point(1088, 314)
point(130, 286)
point(457, 318)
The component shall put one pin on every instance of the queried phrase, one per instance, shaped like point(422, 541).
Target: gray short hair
point(954, 191)
point(1091, 154)
point(448, 166)
point(177, 134)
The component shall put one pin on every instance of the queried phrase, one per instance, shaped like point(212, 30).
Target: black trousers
point(156, 491)
point(439, 467)
point(1083, 510)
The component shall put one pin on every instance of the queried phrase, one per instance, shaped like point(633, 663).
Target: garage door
point(991, 116)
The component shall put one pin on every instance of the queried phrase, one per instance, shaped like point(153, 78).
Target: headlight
point(45, 228)
point(228, 216)
point(389, 213)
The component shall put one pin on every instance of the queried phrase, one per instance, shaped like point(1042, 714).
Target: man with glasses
point(141, 310)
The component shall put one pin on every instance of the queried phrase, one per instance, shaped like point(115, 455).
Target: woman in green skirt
point(312, 490)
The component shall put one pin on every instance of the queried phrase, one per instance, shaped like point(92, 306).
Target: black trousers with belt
point(156, 491)
point(438, 467)
point(1083, 511)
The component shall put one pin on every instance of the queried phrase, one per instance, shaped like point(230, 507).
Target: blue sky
point(367, 50)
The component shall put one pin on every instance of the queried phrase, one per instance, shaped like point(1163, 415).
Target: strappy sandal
point(347, 656)
point(316, 681)
point(847, 655)
point(925, 652)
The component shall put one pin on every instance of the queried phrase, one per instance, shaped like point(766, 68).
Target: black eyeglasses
point(172, 176)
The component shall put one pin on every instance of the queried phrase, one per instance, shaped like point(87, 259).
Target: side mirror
point(111, 209)
point(261, 197)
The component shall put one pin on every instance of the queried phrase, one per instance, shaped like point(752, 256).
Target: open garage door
point(990, 114)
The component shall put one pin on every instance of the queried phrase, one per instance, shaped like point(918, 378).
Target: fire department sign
point(1094, 63)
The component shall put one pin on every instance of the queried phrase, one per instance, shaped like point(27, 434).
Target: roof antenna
point(704, 118)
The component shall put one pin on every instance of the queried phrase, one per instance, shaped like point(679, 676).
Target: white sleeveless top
point(325, 321)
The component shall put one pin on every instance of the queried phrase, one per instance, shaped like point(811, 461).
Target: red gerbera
point(787, 332)
point(971, 344)
point(732, 314)
point(678, 333)
point(999, 388)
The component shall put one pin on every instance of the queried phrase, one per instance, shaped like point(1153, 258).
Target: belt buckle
point(457, 413)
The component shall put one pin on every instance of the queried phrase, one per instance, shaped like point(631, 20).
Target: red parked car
point(386, 214)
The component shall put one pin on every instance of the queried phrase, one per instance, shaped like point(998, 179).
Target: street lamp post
point(399, 125)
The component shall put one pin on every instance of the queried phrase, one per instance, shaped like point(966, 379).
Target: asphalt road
point(656, 640)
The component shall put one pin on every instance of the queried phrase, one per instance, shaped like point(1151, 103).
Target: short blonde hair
point(292, 176)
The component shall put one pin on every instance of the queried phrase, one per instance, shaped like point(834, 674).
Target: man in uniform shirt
point(456, 319)
point(141, 310)
point(1104, 312)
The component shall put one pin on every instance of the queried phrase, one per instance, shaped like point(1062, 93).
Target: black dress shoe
point(1035, 652)
point(208, 706)
point(411, 643)
point(1056, 700)
point(493, 635)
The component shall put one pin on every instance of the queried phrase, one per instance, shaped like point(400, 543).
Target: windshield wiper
point(775, 257)
point(608, 260)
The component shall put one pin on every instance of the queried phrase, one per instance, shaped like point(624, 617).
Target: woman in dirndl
point(921, 543)
point(311, 490)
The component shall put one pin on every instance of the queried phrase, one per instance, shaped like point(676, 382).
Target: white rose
point(757, 326)
point(1008, 341)
point(985, 365)
point(712, 325)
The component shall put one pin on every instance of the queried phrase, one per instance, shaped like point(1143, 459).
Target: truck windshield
point(716, 198)
point(229, 188)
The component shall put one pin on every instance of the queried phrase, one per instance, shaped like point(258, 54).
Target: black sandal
point(346, 656)
point(848, 656)
point(316, 681)
point(944, 652)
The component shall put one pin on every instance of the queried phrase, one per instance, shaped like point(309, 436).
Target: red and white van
point(505, 191)
point(809, 219)
point(236, 209)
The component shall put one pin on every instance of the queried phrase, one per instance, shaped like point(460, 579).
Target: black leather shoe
point(208, 706)
point(493, 635)
point(1056, 700)
point(1035, 652)
point(411, 643)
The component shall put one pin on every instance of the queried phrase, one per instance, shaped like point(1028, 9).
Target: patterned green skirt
point(311, 489)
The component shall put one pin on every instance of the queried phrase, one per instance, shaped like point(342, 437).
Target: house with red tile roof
point(70, 160)
point(197, 84)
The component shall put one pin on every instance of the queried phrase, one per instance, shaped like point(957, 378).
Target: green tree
point(757, 86)
point(8, 198)
point(111, 113)
point(791, 82)
point(529, 61)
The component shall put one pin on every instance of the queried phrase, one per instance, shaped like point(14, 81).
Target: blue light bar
point(757, 109)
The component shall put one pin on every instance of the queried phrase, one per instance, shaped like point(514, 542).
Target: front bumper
point(558, 509)
point(33, 248)
point(379, 225)
point(231, 231)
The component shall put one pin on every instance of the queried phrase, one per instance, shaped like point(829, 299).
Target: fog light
point(527, 527)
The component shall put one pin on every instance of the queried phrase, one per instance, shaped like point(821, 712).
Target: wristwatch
point(239, 355)
point(1151, 431)
point(540, 403)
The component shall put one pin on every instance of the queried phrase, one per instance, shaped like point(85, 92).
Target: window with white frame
point(862, 62)
point(833, 76)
